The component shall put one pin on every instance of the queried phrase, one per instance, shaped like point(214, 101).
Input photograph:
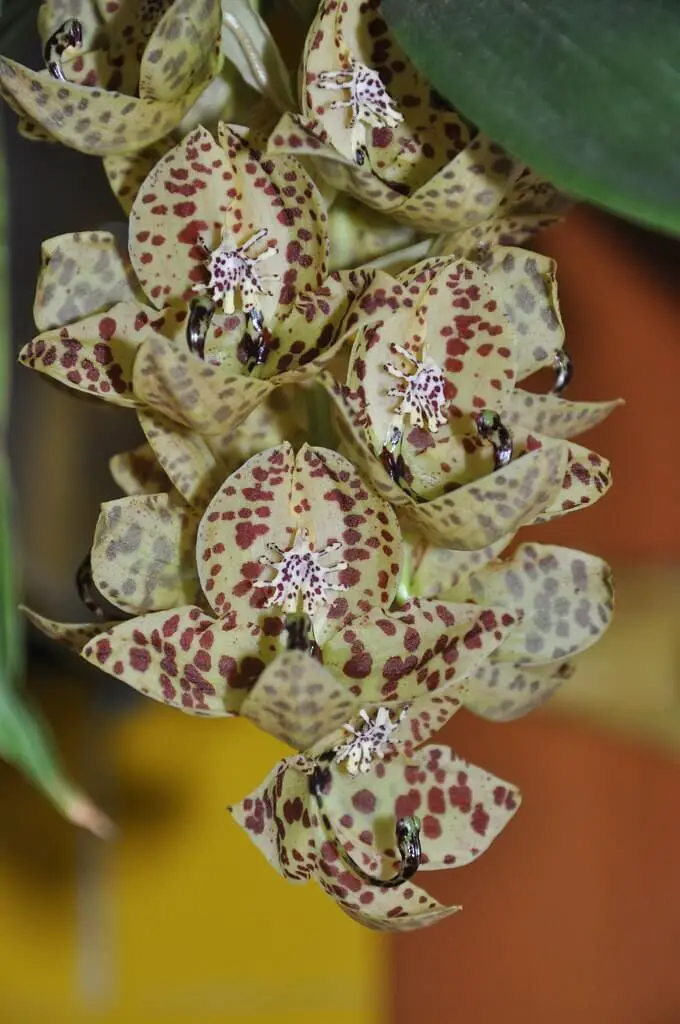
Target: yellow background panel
point(180, 919)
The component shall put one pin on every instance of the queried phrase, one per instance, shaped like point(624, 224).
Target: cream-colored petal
point(95, 355)
point(182, 658)
point(553, 416)
point(587, 478)
point(183, 50)
point(426, 646)
point(487, 510)
point(461, 807)
point(72, 635)
point(80, 274)
point(501, 691)
point(278, 818)
point(565, 599)
point(184, 456)
point(169, 379)
point(403, 909)
point(139, 472)
point(93, 121)
point(144, 554)
point(298, 701)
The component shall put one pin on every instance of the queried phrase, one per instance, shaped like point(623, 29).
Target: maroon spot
point(140, 659)
point(247, 533)
point(364, 801)
point(479, 820)
point(107, 327)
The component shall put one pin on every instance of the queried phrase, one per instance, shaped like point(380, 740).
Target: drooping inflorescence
point(335, 458)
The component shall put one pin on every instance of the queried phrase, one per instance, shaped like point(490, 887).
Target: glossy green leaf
point(586, 92)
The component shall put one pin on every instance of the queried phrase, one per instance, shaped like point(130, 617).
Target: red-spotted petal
point(403, 909)
point(96, 354)
point(426, 646)
point(183, 658)
point(72, 635)
point(317, 500)
point(461, 807)
point(587, 478)
point(278, 819)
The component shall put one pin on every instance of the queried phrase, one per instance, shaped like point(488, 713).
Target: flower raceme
point(317, 531)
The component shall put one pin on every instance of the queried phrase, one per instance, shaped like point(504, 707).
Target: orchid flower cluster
point(324, 320)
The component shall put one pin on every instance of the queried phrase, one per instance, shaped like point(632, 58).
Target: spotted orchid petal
point(126, 172)
point(139, 472)
point(91, 120)
point(287, 528)
point(587, 478)
point(80, 274)
point(565, 597)
point(466, 191)
point(392, 117)
point(452, 358)
point(553, 416)
point(526, 286)
point(430, 713)
point(303, 137)
point(208, 212)
point(397, 657)
point(489, 509)
point(183, 658)
point(280, 821)
point(445, 573)
point(502, 691)
point(461, 807)
point(182, 52)
point(298, 701)
point(144, 554)
point(385, 910)
point(184, 456)
point(312, 332)
point(71, 635)
point(170, 380)
point(96, 354)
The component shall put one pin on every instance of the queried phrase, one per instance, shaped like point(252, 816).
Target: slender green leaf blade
point(585, 91)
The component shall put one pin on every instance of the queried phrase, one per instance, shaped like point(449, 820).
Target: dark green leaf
point(585, 91)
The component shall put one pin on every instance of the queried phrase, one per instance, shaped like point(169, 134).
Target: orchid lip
point(564, 371)
point(68, 35)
